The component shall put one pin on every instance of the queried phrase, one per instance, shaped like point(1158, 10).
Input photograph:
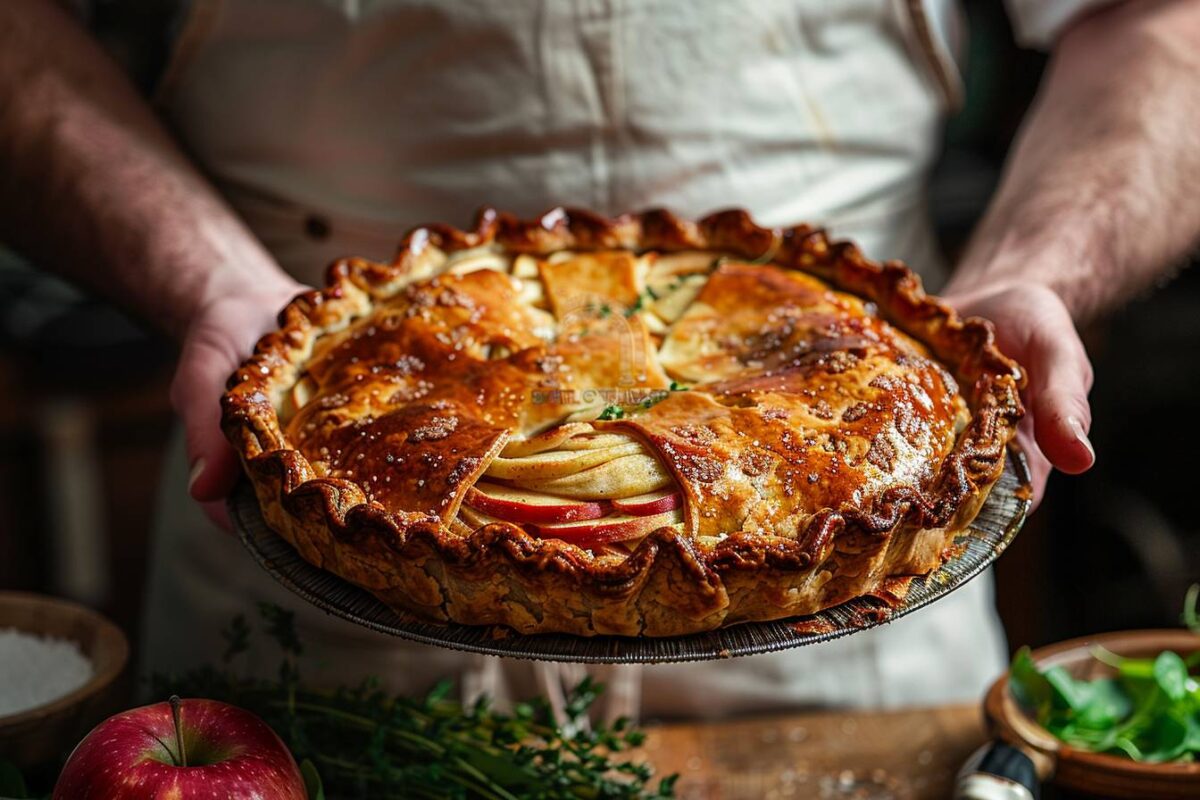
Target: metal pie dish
point(993, 529)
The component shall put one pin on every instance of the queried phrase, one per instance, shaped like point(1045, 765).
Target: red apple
point(650, 503)
point(518, 505)
point(592, 533)
point(227, 754)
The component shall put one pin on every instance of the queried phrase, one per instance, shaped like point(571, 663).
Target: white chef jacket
point(334, 125)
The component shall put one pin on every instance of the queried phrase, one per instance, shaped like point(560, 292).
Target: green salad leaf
point(1171, 676)
point(1150, 710)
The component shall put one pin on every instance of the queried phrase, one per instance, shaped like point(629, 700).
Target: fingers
point(1060, 377)
point(1039, 467)
point(1061, 430)
point(215, 344)
point(219, 514)
point(195, 394)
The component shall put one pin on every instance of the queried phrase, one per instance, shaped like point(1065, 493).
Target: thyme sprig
point(365, 742)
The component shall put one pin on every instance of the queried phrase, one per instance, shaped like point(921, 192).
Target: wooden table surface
point(892, 755)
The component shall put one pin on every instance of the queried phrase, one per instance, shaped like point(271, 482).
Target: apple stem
point(175, 714)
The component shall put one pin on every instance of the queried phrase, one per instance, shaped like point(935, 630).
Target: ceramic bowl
point(40, 735)
point(1095, 774)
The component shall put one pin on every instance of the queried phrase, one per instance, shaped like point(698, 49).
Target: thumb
point(215, 343)
point(195, 393)
point(1060, 377)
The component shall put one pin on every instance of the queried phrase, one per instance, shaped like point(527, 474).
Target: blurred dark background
point(84, 413)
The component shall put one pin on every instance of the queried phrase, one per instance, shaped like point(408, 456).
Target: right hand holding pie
point(219, 337)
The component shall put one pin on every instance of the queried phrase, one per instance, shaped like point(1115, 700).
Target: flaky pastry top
point(786, 387)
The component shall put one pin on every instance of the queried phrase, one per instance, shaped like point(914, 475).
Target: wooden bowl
point(1095, 774)
point(40, 735)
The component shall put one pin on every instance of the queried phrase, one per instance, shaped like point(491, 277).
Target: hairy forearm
point(1098, 200)
point(92, 186)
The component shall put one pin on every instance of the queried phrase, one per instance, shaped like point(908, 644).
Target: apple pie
point(634, 426)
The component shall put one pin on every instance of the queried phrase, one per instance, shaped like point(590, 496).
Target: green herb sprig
point(1150, 711)
point(361, 742)
point(643, 299)
point(611, 412)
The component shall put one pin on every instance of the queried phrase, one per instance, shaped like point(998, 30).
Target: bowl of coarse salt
point(58, 661)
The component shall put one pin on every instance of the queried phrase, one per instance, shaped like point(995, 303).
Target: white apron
point(334, 125)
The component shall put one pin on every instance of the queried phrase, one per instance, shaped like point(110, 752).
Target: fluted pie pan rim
point(501, 574)
point(998, 523)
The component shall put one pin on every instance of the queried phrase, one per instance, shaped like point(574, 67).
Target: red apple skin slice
point(610, 529)
point(650, 503)
point(514, 505)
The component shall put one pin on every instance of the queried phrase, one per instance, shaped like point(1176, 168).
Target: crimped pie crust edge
point(503, 575)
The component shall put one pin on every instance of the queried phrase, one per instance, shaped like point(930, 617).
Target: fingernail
point(194, 475)
point(1081, 435)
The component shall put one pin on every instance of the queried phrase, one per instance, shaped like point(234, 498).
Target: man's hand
point(1096, 205)
point(94, 187)
point(219, 338)
point(1034, 327)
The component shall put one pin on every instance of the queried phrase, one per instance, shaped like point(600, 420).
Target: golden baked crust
point(822, 447)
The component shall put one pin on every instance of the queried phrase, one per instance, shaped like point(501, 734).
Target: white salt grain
point(35, 670)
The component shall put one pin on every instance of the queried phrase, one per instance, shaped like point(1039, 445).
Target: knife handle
point(998, 771)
